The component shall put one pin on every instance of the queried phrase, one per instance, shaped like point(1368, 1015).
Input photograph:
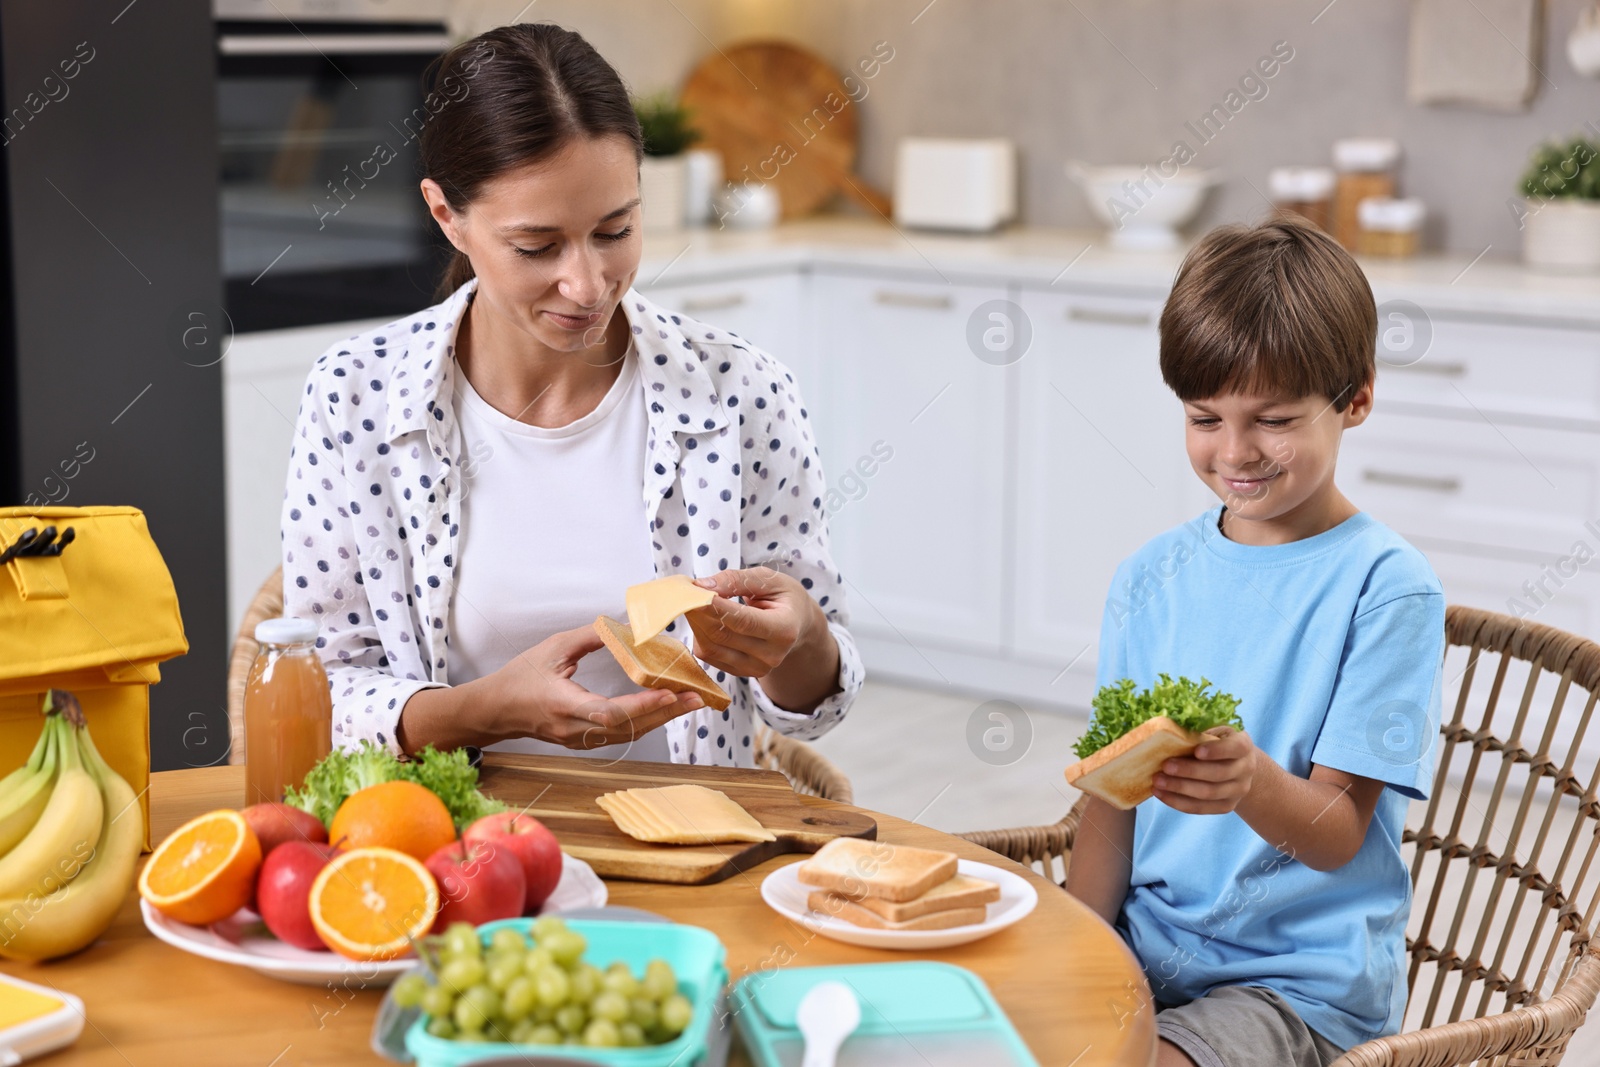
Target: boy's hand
point(1212, 781)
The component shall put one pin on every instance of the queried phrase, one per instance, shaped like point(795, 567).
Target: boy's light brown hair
point(1273, 309)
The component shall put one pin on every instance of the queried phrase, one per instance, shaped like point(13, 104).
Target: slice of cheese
point(652, 605)
point(682, 815)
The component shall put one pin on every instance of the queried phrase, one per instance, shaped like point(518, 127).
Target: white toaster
point(949, 183)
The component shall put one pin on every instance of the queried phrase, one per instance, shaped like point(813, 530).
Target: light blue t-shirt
point(1334, 646)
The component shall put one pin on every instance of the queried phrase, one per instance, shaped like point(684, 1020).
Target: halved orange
point(369, 903)
point(205, 870)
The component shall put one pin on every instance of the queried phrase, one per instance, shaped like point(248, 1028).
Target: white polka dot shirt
point(371, 511)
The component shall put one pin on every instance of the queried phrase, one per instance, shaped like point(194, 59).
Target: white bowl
point(1142, 207)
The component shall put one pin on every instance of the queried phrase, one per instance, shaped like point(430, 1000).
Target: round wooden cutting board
point(779, 114)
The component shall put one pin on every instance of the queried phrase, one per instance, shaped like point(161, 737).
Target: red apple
point(478, 882)
point(533, 845)
point(283, 891)
point(276, 823)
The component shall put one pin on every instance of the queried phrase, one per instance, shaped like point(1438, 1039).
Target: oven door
point(322, 220)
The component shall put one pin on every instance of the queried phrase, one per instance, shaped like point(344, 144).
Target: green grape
point(437, 1001)
point(570, 1018)
point(545, 1034)
point(566, 947)
point(408, 990)
point(476, 1007)
point(618, 979)
point(520, 997)
point(585, 982)
point(462, 973)
point(543, 1013)
point(643, 1012)
point(546, 925)
point(503, 971)
point(631, 1034)
point(461, 939)
point(508, 939)
point(553, 986)
point(522, 1033)
point(609, 1005)
point(659, 981)
point(440, 1026)
point(572, 1039)
point(601, 1033)
point(537, 958)
point(676, 1012)
point(474, 1037)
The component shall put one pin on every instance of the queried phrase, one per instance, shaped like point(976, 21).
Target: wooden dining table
point(1065, 979)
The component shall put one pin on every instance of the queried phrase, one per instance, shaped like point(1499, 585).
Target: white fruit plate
point(786, 894)
point(242, 939)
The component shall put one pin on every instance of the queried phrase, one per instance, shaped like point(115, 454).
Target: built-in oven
point(320, 106)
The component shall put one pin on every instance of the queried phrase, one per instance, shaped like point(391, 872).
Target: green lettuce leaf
point(450, 775)
point(1121, 706)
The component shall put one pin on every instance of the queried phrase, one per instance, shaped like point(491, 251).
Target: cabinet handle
point(1412, 481)
point(940, 302)
point(1107, 317)
point(1438, 370)
point(711, 303)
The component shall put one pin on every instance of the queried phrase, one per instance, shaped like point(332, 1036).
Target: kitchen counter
point(1493, 284)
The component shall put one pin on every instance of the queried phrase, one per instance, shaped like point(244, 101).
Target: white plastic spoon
point(828, 1014)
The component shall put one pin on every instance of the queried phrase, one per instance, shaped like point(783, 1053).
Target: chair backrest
point(1503, 863)
point(266, 604)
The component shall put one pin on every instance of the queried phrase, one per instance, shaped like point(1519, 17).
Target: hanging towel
point(1483, 53)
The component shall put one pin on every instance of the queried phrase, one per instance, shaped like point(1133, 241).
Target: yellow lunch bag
point(95, 613)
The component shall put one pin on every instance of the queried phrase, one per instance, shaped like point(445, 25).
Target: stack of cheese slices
point(894, 887)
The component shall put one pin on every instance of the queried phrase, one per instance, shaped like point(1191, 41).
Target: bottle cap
point(1366, 153)
point(1390, 216)
point(286, 631)
point(1300, 184)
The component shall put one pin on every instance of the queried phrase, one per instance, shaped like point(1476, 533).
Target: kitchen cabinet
point(1101, 467)
point(768, 310)
point(923, 538)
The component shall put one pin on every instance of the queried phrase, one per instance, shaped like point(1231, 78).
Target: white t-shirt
point(552, 534)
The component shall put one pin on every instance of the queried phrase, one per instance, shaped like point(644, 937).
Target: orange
point(399, 815)
point(369, 903)
point(205, 870)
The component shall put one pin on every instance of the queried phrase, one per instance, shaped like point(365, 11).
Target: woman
point(470, 487)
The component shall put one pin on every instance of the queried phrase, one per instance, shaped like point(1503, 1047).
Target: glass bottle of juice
point(288, 712)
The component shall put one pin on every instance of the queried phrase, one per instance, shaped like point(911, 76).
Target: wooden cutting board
point(560, 792)
point(781, 115)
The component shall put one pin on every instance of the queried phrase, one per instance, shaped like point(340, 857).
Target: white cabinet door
point(914, 436)
point(1101, 466)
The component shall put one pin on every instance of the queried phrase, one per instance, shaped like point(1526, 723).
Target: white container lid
point(286, 631)
point(1366, 153)
point(1300, 184)
point(1389, 215)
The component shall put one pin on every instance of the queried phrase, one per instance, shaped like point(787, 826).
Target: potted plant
point(1560, 211)
point(664, 172)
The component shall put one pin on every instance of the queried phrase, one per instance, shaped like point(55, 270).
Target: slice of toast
point(854, 868)
point(854, 914)
point(962, 891)
point(1122, 773)
point(659, 663)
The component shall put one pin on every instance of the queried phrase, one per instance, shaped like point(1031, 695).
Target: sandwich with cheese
point(1132, 732)
point(647, 656)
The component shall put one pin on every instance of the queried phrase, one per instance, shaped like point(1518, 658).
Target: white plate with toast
point(786, 894)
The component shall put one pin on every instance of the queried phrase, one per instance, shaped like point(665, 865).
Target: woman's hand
point(1212, 781)
point(779, 634)
point(538, 698)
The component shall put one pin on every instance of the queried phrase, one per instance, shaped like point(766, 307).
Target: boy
point(1262, 888)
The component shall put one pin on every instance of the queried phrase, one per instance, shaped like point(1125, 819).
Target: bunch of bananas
point(70, 835)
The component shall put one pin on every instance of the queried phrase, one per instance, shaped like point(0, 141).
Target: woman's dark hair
point(509, 97)
point(1277, 307)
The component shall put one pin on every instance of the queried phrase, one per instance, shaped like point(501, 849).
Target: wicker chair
point(807, 770)
point(1504, 966)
